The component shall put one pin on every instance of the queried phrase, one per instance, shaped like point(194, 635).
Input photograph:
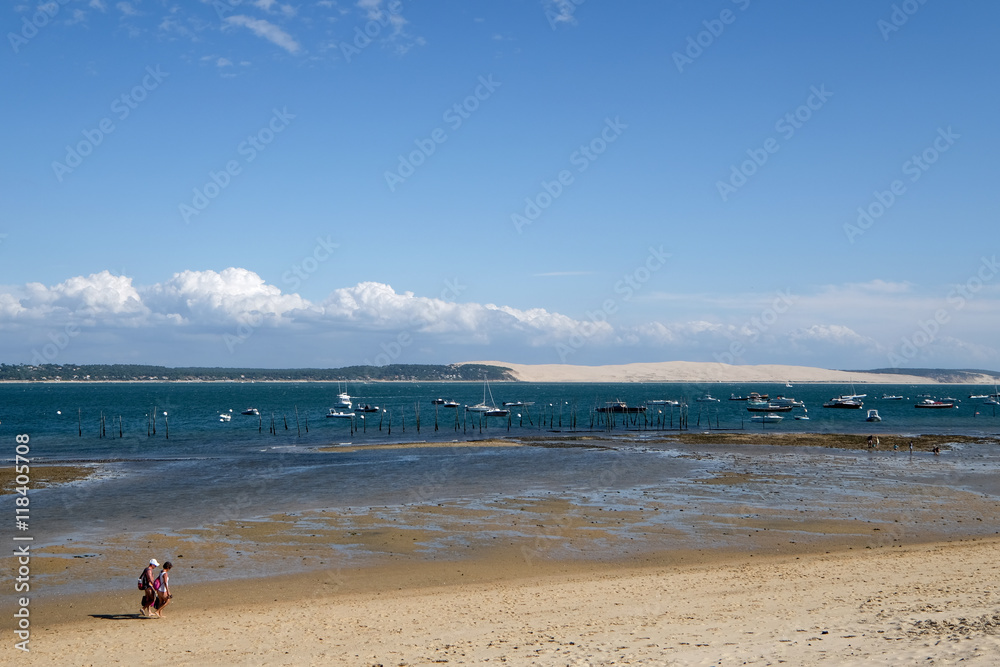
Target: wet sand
point(42, 476)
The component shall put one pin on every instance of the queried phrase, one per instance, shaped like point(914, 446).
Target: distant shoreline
point(660, 372)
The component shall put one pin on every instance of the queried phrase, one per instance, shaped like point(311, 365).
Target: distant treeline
point(140, 372)
point(956, 375)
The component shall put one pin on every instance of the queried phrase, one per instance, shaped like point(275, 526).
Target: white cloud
point(195, 312)
point(232, 295)
point(127, 9)
point(830, 333)
point(267, 30)
point(223, 62)
point(98, 5)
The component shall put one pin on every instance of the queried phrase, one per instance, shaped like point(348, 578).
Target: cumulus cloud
point(195, 315)
point(99, 295)
point(232, 295)
point(266, 30)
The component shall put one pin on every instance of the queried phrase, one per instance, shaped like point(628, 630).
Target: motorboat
point(513, 404)
point(343, 401)
point(844, 402)
point(766, 419)
point(707, 398)
point(873, 416)
point(251, 411)
point(768, 407)
point(663, 401)
point(451, 404)
point(437, 401)
point(339, 414)
point(931, 403)
point(497, 412)
point(804, 416)
point(784, 400)
point(978, 396)
point(620, 407)
point(887, 397)
point(366, 408)
point(225, 416)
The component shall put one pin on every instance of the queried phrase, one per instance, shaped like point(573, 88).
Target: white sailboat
point(490, 409)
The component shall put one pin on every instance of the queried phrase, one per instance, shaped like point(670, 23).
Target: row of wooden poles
point(599, 419)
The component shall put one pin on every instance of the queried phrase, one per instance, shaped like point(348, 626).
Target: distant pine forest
point(143, 373)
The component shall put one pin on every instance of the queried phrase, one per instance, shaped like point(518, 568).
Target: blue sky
point(252, 183)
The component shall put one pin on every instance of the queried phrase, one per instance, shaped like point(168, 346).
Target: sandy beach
point(923, 604)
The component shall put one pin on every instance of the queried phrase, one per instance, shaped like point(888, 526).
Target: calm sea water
point(209, 471)
point(54, 414)
point(204, 460)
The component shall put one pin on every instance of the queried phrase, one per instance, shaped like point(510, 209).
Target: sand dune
point(690, 371)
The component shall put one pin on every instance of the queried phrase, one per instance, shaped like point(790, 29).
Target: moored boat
point(844, 403)
point(873, 416)
point(768, 407)
point(620, 407)
point(931, 403)
point(766, 419)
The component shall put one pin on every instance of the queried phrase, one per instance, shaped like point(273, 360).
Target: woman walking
point(162, 587)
